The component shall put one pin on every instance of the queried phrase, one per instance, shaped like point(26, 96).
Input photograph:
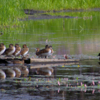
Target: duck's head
point(10, 45)
point(16, 45)
point(24, 46)
point(37, 50)
point(46, 46)
point(1, 44)
point(50, 46)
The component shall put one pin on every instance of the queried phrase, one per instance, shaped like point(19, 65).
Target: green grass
point(61, 4)
point(12, 10)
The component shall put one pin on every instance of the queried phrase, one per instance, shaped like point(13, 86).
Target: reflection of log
point(39, 61)
point(50, 65)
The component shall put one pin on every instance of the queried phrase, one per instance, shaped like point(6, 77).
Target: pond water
point(78, 36)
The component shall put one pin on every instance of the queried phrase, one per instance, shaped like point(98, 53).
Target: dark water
point(78, 37)
point(72, 82)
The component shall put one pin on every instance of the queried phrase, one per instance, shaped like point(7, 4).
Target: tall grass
point(12, 10)
point(61, 4)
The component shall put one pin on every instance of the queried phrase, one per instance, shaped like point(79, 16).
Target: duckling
point(24, 50)
point(9, 51)
point(17, 51)
point(2, 48)
point(37, 52)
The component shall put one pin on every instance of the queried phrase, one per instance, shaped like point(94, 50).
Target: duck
point(2, 74)
point(52, 51)
point(17, 51)
point(9, 51)
point(24, 50)
point(47, 51)
point(37, 52)
point(2, 48)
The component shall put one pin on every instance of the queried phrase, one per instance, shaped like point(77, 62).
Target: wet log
point(53, 61)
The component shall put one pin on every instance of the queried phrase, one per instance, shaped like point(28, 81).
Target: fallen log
point(52, 61)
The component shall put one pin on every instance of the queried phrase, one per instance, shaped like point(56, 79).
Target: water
point(72, 82)
point(78, 37)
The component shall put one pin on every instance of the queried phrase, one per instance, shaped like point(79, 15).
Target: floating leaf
point(59, 79)
point(77, 78)
point(24, 79)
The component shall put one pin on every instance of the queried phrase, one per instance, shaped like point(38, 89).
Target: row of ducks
point(14, 50)
point(44, 53)
point(23, 71)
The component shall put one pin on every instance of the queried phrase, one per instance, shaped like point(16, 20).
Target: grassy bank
point(12, 10)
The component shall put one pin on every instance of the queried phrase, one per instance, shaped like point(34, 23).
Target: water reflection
point(17, 71)
point(44, 71)
point(13, 71)
point(24, 71)
point(9, 72)
point(2, 74)
point(63, 80)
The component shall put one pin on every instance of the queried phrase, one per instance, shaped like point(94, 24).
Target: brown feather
point(11, 47)
point(24, 49)
point(1, 46)
point(18, 48)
